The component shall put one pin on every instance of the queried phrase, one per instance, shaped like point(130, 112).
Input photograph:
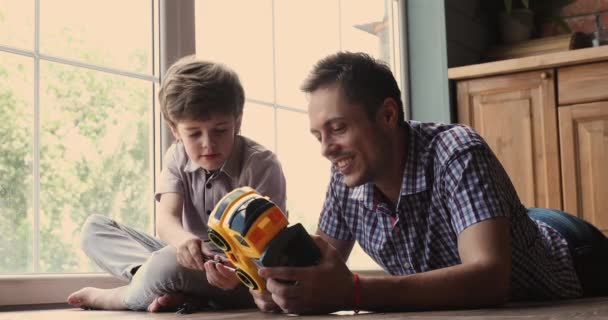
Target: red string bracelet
point(357, 293)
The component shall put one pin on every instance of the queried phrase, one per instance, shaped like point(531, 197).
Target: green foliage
point(15, 175)
point(509, 5)
point(545, 10)
point(94, 158)
point(541, 6)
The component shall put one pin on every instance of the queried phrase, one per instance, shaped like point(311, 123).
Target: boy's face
point(208, 143)
point(355, 145)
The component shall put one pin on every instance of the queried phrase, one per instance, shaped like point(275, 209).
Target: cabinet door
point(584, 148)
point(516, 114)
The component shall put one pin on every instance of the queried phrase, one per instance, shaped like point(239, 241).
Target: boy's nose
point(206, 141)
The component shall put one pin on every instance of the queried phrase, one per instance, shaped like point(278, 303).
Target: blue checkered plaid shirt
point(451, 181)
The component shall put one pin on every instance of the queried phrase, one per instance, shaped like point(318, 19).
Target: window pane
point(258, 124)
point(95, 149)
point(306, 171)
point(367, 28)
point(239, 34)
point(17, 24)
point(112, 33)
point(396, 46)
point(16, 106)
point(305, 31)
point(156, 25)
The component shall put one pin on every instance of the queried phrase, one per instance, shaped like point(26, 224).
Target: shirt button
point(407, 265)
point(208, 185)
point(208, 212)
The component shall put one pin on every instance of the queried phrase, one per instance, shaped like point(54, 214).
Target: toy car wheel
point(246, 279)
point(219, 241)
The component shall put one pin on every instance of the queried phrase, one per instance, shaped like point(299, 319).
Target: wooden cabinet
point(583, 132)
point(516, 116)
point(546, 119)
point(583, 83)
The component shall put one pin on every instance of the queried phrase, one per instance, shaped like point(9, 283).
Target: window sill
point(49, 288)
point(55, 288)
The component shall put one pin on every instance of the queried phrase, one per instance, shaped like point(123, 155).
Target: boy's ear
point(174, 132)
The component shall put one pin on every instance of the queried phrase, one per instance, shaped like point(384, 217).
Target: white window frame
point(40, 288)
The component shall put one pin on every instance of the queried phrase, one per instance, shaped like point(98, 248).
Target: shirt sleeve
point(332, 221)
point(263, 172)
point(478, 188)
point(170, 178)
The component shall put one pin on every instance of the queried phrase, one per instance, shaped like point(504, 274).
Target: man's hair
point(193, 89)
point(363, 80)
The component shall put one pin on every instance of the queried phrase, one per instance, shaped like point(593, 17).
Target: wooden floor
point(592, 308)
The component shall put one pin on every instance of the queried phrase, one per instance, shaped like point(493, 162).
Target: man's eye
point(220, 131)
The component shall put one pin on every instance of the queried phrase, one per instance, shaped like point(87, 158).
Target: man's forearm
point(472, 285)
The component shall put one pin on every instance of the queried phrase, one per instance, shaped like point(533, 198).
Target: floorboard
point(590, 308)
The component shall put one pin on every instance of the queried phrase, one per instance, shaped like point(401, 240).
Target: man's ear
point(389, 113)
point(237, 127)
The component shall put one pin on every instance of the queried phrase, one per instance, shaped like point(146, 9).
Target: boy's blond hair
point(194, 89)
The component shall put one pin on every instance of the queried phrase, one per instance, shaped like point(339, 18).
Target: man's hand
point(190, 253)
point(323, 288)
point(263, 299)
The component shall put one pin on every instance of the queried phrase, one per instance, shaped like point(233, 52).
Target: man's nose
point(328, 147)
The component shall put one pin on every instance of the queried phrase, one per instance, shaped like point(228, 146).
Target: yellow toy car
point(252, 231)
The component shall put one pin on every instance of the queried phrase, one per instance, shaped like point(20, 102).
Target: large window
point(273, 45)
point(78, 123)
point(77, 83)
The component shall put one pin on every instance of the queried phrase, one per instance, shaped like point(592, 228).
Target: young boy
point(202, 103)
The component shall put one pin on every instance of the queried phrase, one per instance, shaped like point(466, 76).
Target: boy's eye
point(195, 134)
point(338, 128)
point(220, 131)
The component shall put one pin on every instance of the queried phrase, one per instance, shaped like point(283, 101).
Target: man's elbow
point(497, 288)
point(499, 296)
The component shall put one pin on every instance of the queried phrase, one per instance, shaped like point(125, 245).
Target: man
point(431, 204)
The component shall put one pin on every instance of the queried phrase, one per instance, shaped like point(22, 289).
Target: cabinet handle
point(545, 75)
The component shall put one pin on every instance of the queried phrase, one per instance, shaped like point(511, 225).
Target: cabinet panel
point(584, 148)
point(584, 83)
point(517, 116)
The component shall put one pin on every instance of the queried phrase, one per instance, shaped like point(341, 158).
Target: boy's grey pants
point(119, 249)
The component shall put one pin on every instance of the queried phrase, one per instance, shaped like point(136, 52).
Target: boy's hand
point(263, 299)
point(220, 276)
point(191, 254)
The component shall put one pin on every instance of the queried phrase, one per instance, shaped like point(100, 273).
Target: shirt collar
point(414, 173)
point(232, 167)
point(364, 193)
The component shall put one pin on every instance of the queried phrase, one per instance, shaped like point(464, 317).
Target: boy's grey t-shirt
point(249, 164)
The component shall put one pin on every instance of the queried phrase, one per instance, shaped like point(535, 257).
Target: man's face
point(208, 143)
point(349, 139)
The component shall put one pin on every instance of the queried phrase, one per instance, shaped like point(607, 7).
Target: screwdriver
point(217, 260)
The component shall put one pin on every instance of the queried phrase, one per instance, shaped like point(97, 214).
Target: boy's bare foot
point(167, 301)
point(95, 298)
